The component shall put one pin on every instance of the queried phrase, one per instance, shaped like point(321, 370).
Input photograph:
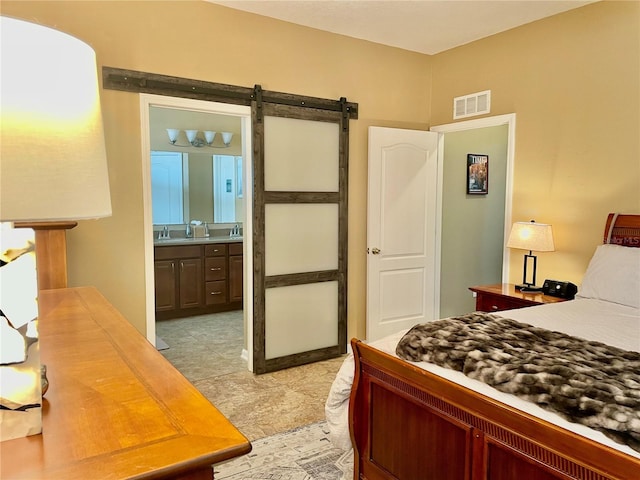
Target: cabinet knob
point(216, 269)
point(216, 293)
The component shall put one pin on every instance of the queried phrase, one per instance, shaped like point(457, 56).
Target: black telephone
point(556, 288)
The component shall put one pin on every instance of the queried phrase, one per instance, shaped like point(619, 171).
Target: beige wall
point(572, 79)
point(204, 41)
point(574, 82)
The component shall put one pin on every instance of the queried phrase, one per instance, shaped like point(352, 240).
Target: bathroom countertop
point(194, 241)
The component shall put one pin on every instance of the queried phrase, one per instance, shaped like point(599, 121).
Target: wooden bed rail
point(409, 424)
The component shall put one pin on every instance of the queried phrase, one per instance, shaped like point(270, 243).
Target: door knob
point(375, 251)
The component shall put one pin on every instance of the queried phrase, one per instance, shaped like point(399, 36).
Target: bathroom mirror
point(195, 181)
point(196, 186)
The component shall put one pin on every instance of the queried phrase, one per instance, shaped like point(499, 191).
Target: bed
point(420, 421)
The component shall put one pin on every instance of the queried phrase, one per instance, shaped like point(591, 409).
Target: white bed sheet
point(611, 323)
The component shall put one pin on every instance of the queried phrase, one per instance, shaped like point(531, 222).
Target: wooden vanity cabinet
point(235, 272)
point(165, 276)
point(190, 282)
point(215, 274)
point(178, 278)
point(197, 279)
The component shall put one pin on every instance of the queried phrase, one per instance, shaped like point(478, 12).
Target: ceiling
point(425, 26)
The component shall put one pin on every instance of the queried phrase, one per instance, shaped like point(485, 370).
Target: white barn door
point(401, 224)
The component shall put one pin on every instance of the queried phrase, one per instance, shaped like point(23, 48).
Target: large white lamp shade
point(52, 160)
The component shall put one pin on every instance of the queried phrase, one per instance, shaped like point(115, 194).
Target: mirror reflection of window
point(167, 187)
point(196, 186)
point(239, 177)
point(224, 188)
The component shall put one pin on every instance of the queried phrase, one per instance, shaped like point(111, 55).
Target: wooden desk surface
point(116, 408)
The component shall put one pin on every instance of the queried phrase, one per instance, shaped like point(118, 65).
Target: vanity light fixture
point(197, 141)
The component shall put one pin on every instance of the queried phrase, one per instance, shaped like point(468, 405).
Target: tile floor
point(207, 349)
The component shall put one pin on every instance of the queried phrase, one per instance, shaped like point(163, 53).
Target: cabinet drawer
point(171, 252)
point(215, 292)
point(495, 303)
point(215, 268)
point(215, 250)
point(235, 249)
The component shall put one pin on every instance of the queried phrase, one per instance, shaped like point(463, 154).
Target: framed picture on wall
point(477, 174)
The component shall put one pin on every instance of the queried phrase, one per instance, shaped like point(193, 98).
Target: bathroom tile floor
point(207, 350)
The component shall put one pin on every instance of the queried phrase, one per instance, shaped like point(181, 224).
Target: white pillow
point(613, 275)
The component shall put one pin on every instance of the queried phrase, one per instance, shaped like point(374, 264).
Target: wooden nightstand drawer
point(494, 303)
point(494, 298)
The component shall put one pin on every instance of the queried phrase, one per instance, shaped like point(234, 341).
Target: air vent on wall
point(473, 104)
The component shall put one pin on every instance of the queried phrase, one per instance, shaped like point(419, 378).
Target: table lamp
point(530, 236)
point(53, 171)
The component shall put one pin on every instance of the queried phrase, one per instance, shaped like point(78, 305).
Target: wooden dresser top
point(116, 408)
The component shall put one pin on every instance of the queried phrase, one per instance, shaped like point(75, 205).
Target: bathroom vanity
point(194, 276)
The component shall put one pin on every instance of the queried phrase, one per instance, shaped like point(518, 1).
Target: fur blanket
point(584, 381)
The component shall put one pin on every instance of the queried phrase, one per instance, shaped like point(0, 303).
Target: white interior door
point(401, 229)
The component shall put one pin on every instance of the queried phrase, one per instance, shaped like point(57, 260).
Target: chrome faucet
point(235, 231)
point(164, 234)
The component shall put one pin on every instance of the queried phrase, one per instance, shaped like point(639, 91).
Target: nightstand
point(504, 296)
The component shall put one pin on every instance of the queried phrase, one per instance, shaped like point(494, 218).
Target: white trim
point(147, 219)
point(244, 112)
point(507, 119)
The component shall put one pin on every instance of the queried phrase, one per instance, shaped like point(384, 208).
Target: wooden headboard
point(622, 230)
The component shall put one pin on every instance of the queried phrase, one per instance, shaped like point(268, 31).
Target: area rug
point(305, 453)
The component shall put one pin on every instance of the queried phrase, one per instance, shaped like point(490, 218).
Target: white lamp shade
point(209, 136)
point(53, 164)
point(173, 134)
point(226, 137)
point(531, 236)
point(191, 135)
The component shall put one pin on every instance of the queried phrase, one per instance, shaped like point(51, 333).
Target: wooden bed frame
point(409, 424)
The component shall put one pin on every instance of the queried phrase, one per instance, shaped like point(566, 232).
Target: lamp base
point(20, 368)
point(528, 288)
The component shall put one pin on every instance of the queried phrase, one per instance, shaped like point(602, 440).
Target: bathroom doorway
point(225, 114)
